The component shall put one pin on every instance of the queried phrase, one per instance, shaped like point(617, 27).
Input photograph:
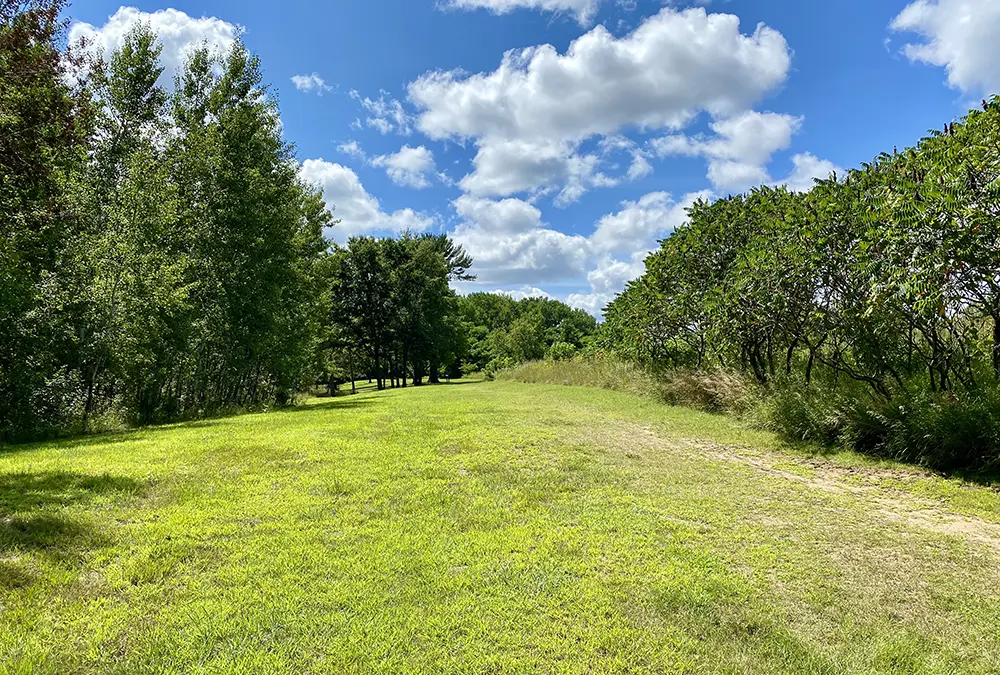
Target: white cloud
point(673, 65)
point(529, 117)
point(536, 256)
point(179, 34)
point(357, 210)
point(309, 83)
point(741, 150)
point(607, 280)
point(508, 215)
point(961, 36)
point(511, 244)
point(808, 167)
point(385, 113)
point(408, 167)
point(583, 10)
point(622, 240)
point(638, 224)
point(352, 149)
point(522, 293)
point(640, 167)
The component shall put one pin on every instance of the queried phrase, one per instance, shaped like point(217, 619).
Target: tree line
point(872, 300)
point(161, 257)
point(504, 332)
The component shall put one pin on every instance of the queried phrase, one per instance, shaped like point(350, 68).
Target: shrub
point(939, 431)
point(814, 414)
point(560, 351)
point(498, 365)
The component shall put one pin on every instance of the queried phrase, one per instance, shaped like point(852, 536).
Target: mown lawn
point(487, 528)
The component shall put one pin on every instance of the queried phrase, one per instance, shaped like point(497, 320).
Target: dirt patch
point(622, 436)
point(893, 504)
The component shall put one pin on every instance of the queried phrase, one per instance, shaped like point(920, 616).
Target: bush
point(813, 414)
point(560, 351)
point(498, 365)
point(939, 431)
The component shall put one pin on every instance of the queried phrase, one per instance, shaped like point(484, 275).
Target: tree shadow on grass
point(33, 521)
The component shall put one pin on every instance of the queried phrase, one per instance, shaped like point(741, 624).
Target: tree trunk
point(996, 346)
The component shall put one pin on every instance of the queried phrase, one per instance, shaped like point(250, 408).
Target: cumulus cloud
point(673, 65)
point(583, 10)
point(311, 83)
point(358, 211)
point(640, 223)
point(607, 280)
point(961, 36)
point(536, 256)
point(179, 34)
point(505, 216)
point(409, 167)
point(740, 151)
point(385, 114)
point(621, 241)
point(529, 117)
point(511, 244)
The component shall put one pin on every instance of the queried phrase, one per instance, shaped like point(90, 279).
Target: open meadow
point(487, 527)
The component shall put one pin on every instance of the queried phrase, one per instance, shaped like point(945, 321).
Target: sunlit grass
point(483, 527)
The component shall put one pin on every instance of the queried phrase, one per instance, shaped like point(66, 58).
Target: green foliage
point(44, 128)
point(392, 306)
point(560, 351)
point(160, 256)
point(882, 284)
point(503, 332)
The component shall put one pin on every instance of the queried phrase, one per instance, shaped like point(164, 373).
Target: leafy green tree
point(44, 127)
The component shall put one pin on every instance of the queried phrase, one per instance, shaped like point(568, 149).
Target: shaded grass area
point(499, 527)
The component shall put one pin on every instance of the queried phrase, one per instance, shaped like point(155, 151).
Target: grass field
point(487, 528)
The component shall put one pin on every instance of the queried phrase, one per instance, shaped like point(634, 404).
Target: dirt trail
point(894, 504)
point(890, 502)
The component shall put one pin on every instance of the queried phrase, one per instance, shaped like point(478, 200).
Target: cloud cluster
point(358, 211)
point(961, 36)
point(529, 117)
point(512, 244)
point(385, 114)
point(409, 167)
point(178, 33)
point(740, 151)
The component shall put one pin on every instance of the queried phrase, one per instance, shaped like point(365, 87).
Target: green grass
point(487, 528)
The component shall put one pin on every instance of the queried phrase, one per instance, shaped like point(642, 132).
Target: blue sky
point(560, 165)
